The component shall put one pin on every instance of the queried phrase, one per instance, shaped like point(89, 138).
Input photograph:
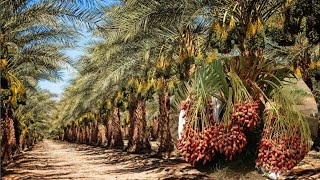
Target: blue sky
point(67, 75)
point(59, 86)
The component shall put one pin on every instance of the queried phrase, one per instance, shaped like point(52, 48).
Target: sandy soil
point(50, 159)
point(61, 160)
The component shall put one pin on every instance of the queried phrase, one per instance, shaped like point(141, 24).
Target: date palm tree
point(32, 35)
point(136, 22)
point(170, 42)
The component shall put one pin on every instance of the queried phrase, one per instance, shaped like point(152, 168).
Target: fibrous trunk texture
point(78, 130)
point(125, 131)
point(139, 141)
point(94, 132)
point(109, 130)
point(8, 140)
point(87, 130)
point(154, 129)
point(166, 144)
point(74, 132)
point(90, 127)
point(83, 134)
point(116, 135)
point(65, 135)
point(101, 135)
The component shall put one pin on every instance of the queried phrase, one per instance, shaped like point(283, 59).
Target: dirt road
point(61, 160)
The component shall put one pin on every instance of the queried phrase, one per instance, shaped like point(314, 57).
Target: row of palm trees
point(155, 51)
point(150, 56)
point(32, 37)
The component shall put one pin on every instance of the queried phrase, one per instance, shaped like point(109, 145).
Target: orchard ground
point(50, 159)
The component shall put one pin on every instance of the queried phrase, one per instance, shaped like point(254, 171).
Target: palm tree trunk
point(116, 138)
point(65, 134)
point(17, 135)
point(100, 136)
point(21, 141)
point(8, 140)
point(4, 144)
point(125, 131)
point(131, 125)
point(109, 130)
point(87, 133)
point(28, 141)
point(83, 134)
point(155, 129)
point(90, 128)
point(74, 132)
point(166, 144)
point(70, 134)
point(10, 130)
point(77, 134)
point(139, 140)
point(95, 132)
point(24, 143)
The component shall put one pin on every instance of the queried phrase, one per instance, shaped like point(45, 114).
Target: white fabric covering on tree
point(182, 121)
point(217, 105)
